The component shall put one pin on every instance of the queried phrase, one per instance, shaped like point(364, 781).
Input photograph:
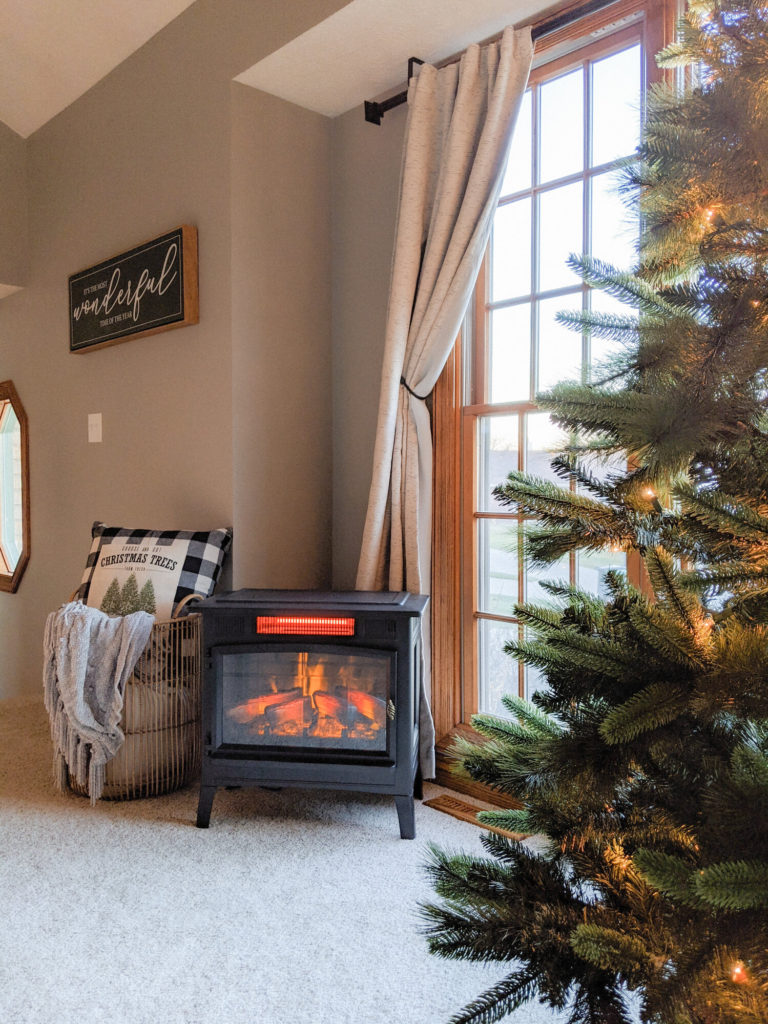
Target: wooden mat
point(466, 812)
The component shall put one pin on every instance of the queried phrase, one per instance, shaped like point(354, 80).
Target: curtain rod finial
point(372, 112)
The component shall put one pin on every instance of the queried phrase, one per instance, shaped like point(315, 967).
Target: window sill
point(447, 777)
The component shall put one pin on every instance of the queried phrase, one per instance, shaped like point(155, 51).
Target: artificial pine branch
point(656, 705)
point(609, 326)
point(512, 820)
point(501, 1000)
point(669, 874)
point(669, 590)
point(533, 496)
point(609, 949)
point(642, 764)
point(671, 638)
point(734, 885)
point(725, 513)
point(529, 716)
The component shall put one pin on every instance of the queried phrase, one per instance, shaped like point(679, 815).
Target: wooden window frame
point(11, 572)
point(454, 566)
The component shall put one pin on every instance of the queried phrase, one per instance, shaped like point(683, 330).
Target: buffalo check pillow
point(150, 570)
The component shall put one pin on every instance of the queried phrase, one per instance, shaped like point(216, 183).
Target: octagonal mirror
point(14, 488)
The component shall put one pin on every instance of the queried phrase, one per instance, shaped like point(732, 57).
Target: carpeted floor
point(292, 908)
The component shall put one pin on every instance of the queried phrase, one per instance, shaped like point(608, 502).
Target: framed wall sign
point(146, 290)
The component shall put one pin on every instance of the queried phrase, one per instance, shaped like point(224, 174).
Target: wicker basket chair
point(161, 713)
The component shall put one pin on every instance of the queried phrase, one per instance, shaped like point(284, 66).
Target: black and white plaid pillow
point(153, 570)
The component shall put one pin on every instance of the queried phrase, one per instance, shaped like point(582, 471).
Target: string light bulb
point(650, 494)
point(738, 973)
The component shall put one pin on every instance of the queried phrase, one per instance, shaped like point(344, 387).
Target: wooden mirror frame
point(10, 579)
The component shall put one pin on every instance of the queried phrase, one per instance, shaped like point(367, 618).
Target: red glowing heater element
point(304, 625)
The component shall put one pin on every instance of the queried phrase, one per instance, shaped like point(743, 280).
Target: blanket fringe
point(95, 781)
point(74, 758)
point(68, 753)
point(60, 775)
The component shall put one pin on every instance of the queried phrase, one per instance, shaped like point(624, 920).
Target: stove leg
point(406, 816)
point(207, 793)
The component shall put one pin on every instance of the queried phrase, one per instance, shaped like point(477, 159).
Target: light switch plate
point(94, 427)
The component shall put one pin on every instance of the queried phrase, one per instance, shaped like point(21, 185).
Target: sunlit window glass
point(562, 126)
point(559, 196)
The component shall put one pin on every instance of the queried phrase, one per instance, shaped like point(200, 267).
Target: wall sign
point(149, 289)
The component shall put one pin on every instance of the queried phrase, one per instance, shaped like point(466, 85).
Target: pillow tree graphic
point(123, 601)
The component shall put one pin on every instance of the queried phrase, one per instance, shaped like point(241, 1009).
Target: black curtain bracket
point(375, 111)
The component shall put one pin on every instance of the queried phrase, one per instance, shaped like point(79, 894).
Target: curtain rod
point(374, 111)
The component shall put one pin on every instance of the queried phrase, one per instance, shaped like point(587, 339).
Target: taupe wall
point(366, 177)
point(281, 342)
point(13, 211)
point(147, 149)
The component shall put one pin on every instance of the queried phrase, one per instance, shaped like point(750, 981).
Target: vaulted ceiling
point(53, 51)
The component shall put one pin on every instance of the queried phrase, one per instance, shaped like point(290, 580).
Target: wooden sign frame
point(151, 288)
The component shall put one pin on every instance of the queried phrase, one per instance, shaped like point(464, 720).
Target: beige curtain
point(460, 121)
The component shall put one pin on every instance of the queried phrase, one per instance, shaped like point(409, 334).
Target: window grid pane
point(498, 672)
point(546, 219)
point(511, 250)
point(561, 128)
point(509, 358)
point(498, 566)
point(498, 454)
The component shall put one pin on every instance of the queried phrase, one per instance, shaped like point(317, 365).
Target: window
point(14, 489)
point(10, 487)
point(580, 118)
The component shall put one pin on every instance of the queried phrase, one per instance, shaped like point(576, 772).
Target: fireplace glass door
point(307, 697)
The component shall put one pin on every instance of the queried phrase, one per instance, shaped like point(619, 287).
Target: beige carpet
point(294, 907)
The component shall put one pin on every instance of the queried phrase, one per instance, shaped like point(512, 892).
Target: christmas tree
point(111, 603)
point(129, 596)
point(146, 602)
point(643, 763)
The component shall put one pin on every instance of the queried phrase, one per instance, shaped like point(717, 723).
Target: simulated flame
point(313, 707)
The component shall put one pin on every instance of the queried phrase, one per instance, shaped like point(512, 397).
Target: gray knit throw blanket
point(88, 658)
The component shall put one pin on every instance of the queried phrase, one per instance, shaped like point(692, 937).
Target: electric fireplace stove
point(312, 689)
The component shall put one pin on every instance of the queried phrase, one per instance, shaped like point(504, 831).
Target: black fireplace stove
point(312, 689)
